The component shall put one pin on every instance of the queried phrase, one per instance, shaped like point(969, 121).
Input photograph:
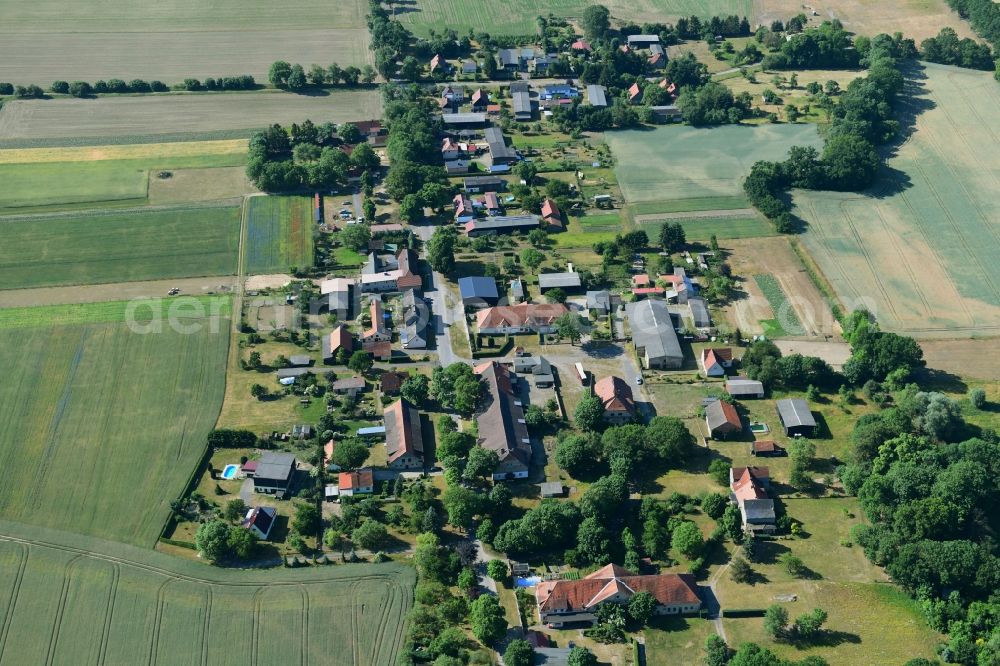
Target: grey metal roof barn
point(464, 118)
point(653, 333)
point(699, 312)
point(522, 104)
point(565, 280)
point(478, 287)
point(597, 95)
point(795, 416)
point(499, 150)
point(742, 387)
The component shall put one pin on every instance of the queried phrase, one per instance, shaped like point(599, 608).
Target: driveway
point(482, 558)
point(443, 315)
point(358, 210)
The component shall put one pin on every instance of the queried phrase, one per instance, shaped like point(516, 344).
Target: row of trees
point(946, 48)
point(101, 87)
point(984, 15)
point(295, 77)
point(863, 118)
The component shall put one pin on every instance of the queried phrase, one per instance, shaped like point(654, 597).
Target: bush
point(61, 87)
point(977, 398)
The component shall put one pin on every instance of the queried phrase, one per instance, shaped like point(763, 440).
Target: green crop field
point(921, 251)
point(103, 422)
point(152, 118)
point(67, 599)
point(101, 39)
point(690, 163)
point(45, 251)
point(279, 234)
point(95, 183)
point(518, 17)
point(785, 321)
point(691, 205)
point(703, 228)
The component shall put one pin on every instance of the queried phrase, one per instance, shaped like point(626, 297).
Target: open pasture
point(71, 599)
point(150, 118)
point(518, 17)
point(54, 178)
point(279, 233)
point(922, 249)
point(42, 251)
point(177, 39)
point(103, 421)
point(681, 162)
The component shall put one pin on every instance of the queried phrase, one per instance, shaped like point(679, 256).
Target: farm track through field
point(725, 213)
point(60, 608)
point(206, 624)
point(14, 593)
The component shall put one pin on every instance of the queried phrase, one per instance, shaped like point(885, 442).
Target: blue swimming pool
point(530, 581)
point(229, 472)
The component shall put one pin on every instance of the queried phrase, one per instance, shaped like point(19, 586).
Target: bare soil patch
point(834, 353)
point(775, 256)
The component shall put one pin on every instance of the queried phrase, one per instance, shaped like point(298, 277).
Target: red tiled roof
point(746, 487)
point(341, 337)
point(380, 350)
point(580, 45)
point(550, 209)
point(668, 589)
point(328, 449)
point(535, 314)
point(640, 280)
point(766, 446)
point(391, 381)
point(362, 478)
point(615, 395)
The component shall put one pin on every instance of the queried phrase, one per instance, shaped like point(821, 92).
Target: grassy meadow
point(921, 249)
point(279, 233)
point(118, 247)
point(102, 423)
point(72, 599)
point(518, 17)
point(100, 176)
point(703, 228)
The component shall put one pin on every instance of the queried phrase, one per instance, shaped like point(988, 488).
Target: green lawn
point(102, 424)
point(607, 222)
point(585, 239)
point(119, 247)
point(100, 182)
point(70, 599)
point(689, 205)
point(279, 234)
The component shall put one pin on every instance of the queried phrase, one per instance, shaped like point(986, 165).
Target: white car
point(638, 380)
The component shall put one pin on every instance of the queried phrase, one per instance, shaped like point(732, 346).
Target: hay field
point(54, 178)
point(115, 120)
point(41, 251)
point(682, 162)
point(71, 599)
point(279, 234)
point(914, 18)
point(518, 16)
point(923, 249)
point(176, 39)
point(100, 426)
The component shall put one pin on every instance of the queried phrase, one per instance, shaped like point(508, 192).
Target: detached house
point(635, 94)
point(616, 398)
point(404, 442)
point(563, 602)
point(273, 473)
point(360, 482)
point(388, 273)
point(339, 338)
point(412, 335)
point(521, 318)
point(463, 209)
point(260, 520)
point(551, 215)
point(715, 361)
point(748, 485)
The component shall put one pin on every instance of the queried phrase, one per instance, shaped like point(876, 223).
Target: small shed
point(552, 489)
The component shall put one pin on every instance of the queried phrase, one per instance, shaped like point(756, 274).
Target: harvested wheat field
point(81, 121)
point(922, 250)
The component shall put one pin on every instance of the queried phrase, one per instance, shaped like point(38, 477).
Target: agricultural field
point(918, 19)
point(279, 234)
point(42, 251)
point(921, 250)
point(102, 176)
point(107, 409)
point(152, 118)
point(681, 162)
point(72, 599)
point(722, 225)
point(92, 40)
point(518, 17)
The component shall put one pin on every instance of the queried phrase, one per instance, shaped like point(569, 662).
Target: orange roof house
point(339, 338)
point(565, 601)
point(521, 318)
point(616, 397)
point(551, 214)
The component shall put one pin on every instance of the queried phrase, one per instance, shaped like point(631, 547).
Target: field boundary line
point(721, 213)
